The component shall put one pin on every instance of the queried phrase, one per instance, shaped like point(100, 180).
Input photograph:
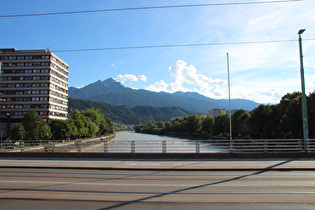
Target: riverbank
point(183, 136)
point(61, 146)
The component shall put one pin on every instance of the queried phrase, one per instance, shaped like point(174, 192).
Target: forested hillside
point(126, 115)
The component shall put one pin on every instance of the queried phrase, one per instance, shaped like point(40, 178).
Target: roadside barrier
point(192, 146)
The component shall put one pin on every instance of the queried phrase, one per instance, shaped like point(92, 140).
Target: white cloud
point(127, 77)
point(310, 83)
point(215, 91)
point(177, 87)
point(158, 87)
point(142, 77)
point(131, 78)
point(259, 95)
point(188, 75)
point(188, 80)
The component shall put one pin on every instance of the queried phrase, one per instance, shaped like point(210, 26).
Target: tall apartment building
point(32, 79)
point(216, 112)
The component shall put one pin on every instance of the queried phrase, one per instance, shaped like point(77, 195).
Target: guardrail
point(169, 146)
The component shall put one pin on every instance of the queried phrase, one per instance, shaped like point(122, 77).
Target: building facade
point(32, 79)
point(216, 112)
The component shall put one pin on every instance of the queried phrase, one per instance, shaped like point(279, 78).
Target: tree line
point(283, 120)
point(81, 124)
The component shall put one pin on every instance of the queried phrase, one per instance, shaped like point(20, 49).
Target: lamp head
point(301, 31)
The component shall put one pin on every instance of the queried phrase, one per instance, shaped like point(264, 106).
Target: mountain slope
point(112, 92)
point(216, 103)
point(136, 115)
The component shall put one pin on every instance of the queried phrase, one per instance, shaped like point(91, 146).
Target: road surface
point(44, 188)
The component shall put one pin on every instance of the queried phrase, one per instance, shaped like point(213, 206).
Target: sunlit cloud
point(186, 79)
point(259, 95)
point(188, 75)
point(143, 78)
point(158, 87)
point(131, 78)
point(127, 77)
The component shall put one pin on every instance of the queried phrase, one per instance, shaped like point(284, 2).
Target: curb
point(159, 169)
point(155, 155)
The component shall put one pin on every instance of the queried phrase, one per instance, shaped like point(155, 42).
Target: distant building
point(216, 112)
point(32, 79)
point(202, 115)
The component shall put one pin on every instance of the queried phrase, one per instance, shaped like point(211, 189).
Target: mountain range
point(114, 93)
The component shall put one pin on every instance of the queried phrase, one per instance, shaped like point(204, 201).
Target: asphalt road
point(30, 188)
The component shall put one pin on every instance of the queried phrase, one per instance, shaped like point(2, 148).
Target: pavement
point(160, 164)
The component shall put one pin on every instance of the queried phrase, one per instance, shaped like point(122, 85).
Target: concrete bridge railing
point(169, 146)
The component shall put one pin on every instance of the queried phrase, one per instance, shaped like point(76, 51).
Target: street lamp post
point(229, 91)
point(304, 105)
point(1, 138)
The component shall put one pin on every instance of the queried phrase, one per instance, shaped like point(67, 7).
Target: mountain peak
point(112, 84)
point(95, 89)
point(109, 80)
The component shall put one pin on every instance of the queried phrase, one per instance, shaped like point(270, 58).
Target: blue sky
point(262, 69)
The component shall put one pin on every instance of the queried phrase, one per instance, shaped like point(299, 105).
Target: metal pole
point(304, 105)
point(229, 90)
point(1, 139)
point(1, 131)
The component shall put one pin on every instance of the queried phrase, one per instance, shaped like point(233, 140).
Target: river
point(147, 143)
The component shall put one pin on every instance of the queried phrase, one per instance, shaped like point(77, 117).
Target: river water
point(147, 143)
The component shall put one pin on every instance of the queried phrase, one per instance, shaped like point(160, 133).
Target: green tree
point(90, 122)
point(45, 131)
point(194, 125)
point(262, 121)
point(161, 125)
point(35, 127)
point(207, 126)
point(176, 126)
point(92, 128)
point(179, 126)
point(78, 120)
point(311, 114)
point(61, 129)
point(18, 132)
point(240, 125)
point(290, 110)
point(109, 129)
point(221, 125)
point(99, 119)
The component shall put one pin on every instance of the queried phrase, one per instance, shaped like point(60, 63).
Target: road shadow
point(199, 186)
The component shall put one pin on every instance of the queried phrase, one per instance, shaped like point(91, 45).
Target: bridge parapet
point(166, 146)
